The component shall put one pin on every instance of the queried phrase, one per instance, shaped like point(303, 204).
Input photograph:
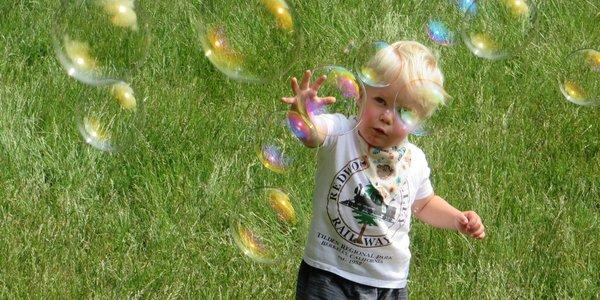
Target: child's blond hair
point(407, 62)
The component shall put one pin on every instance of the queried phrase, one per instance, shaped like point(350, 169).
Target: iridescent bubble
point(439, 33)
point(445, 18)
point(580, 77)
point(100, 42)
point(248, 41)
point(263, 229)
point(108, 118)
point(428, 96)
point(300, 126)
point(342, 85)
point(272, 155)
point(498, 28)
point(467, 6)
point(370, 61)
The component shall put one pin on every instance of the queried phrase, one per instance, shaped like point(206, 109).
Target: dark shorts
point(314, 283)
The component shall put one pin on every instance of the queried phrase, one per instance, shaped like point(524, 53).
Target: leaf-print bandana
point(387, 168)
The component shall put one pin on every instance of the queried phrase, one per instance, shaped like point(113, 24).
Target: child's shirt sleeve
point(335, 124)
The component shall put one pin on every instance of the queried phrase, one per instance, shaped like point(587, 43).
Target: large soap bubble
point(498, 29)
point(100, 42)
point(263, 229)
point(315, 116)
point(109, 118)
point(252, 41)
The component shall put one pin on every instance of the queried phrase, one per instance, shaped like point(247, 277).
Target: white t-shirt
point(351, 235)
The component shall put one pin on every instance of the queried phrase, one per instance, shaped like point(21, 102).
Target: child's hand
point(306, 92)
point(469, 222)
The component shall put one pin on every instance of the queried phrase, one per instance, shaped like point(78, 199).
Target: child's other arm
point(435, 211)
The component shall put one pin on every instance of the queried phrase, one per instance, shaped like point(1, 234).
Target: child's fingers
point(327, 100)
point(317, 85)
point(479, 234)
point(462, 219)
point(473, 222)
point(295, 87)
point(288, 100)
point(305, 80)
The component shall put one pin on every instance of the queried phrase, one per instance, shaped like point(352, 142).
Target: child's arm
point(435, 211)
point(307, 92)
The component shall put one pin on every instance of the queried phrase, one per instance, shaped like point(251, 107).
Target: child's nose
point(387, 117)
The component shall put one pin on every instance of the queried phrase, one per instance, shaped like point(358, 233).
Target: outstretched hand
point(306, 92)
point(469, 222)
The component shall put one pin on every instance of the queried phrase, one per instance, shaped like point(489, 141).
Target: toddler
point(370, 182)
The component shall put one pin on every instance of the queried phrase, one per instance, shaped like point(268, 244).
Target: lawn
point(152, 221)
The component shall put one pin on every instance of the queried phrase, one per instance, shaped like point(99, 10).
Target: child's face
point(381, 125)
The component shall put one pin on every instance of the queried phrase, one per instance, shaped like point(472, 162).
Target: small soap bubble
point(273, 157)
point(440, 33)
point(252, 41)
point(108, 117)
point(300, 126)
point(498, 29)
point(580, 77)
point(100, 42)
point(264, 228)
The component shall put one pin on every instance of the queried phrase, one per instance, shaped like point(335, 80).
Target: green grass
point(153, 221)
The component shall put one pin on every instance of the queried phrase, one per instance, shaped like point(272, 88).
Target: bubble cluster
point(248, 41)
point(498, 29)
point(263, 230)
point(580, 77)
point(100, 42)
point(107, 117)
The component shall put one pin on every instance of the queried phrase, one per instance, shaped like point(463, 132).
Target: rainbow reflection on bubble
point(593, 59)
point(346, 83)
point(467, 6)
point(431, 95)
point(439, 33)
point(262, 228)
point(250, 243)
point(281, 205)
point(300, 126)
point(580, 77)
point(273, 158)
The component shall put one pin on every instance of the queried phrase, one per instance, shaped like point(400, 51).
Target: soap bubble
point(580, 77)
point(416, 119)
point(498, 28)
point(100, 42)
point(274, 156)
point(264, 228)
point(251, 41)
point(108, 118)
point(314, 114)
point(445, 18)
point(440, 33)
point(370, 61)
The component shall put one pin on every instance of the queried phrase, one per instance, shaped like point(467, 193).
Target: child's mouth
point(379, 131)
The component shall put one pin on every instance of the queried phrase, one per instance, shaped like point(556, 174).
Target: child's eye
point(380, 100)
point(407, 116)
